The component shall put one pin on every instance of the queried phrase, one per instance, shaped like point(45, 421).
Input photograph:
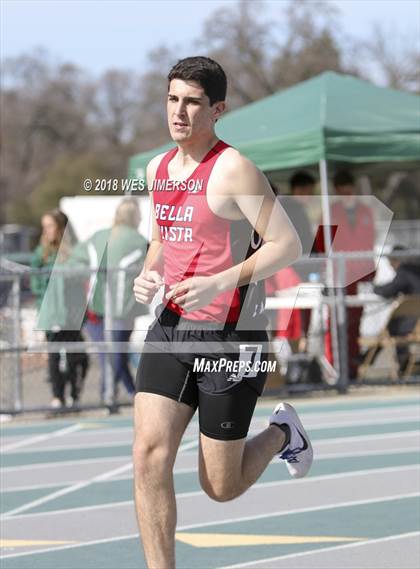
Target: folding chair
point(406, 305)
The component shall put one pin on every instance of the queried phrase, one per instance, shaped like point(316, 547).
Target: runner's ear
point(218, 109)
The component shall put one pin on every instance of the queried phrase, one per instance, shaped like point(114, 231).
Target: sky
point(102, 34)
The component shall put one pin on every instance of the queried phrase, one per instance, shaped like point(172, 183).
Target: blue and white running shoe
point(298, 454)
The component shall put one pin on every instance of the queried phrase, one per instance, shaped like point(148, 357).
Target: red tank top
point(196, 242)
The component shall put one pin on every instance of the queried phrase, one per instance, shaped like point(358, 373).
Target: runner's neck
point(192, 154)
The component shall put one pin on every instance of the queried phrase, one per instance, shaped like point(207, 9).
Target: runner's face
point(190, 115)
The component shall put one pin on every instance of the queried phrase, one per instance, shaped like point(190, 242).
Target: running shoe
point(298, 453)
point(56, 403)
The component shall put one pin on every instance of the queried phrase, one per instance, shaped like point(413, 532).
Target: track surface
point(67, 495)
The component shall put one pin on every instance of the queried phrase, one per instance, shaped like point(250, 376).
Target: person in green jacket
point(54, 298)
point(115, 255)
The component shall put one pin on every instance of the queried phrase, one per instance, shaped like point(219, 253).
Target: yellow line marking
point(235, 540)
point(28, 542)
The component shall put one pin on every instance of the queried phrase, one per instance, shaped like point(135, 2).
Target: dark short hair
point(343, 178)
point(301, 179)
point(206, 72)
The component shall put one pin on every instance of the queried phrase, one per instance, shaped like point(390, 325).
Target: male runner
point(201, 190)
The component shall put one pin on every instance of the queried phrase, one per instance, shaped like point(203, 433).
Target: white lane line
point(222, 522)
point(38, 486)
point(275, 461)
point(359, 438)
point(99, 430)
point(261, 485)
point(345, 418)
point(355, 424)
point(258, 563)
point(258, 424)
point(301, 510)
point(362, 438)
point(355, 413)
point(359, 453)
point(188, 445)
point(62, 492)
point(15, 427)
point(310, 479)
point(39, 438)
point(80, 485)
point(189, 470)
point(60, 464)
point(396, 401)
point(366, 422)
point(380, 402)
point(87, 429)
point(73, 446)
point(79, 509)
point(74, 546)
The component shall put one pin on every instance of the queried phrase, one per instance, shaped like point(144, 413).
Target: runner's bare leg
point(160, 423)
point(229, 468)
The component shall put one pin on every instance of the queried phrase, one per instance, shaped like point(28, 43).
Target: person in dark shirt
point(353, 228)
point(405, 281)
point(302, 186)
point(294, 324)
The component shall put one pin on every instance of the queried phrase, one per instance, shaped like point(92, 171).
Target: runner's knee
point(220, 487)
point(220, 491)
point(152, 459)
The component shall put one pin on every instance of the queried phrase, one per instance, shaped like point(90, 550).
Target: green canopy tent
point(330, 118)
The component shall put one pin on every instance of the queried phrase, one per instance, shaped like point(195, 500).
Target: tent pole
point(326, 215)
point(326, 221)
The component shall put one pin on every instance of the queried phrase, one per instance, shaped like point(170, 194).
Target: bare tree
point(54, 114)
point(309, 43)
point(43, 115)
point(241, 41)
point(396, 58)
point(150, 116)
point(264, 56)
point(116, 99)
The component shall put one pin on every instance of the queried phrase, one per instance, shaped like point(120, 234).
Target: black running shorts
point(222, 372)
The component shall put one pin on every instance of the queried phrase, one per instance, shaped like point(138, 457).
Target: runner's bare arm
point(150, 280)
point(250, 191)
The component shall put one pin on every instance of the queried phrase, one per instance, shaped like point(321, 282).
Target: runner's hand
point(146, 286)
point(193, 293)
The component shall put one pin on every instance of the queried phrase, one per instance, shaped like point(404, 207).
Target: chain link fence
point(25, 351)
point(10, 356)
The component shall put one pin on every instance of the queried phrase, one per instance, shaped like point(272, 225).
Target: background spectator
point(119, 247)
point(302, 186)
point(355, 231)
point(65, 367)
point(293, 324)
point(405, 281)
